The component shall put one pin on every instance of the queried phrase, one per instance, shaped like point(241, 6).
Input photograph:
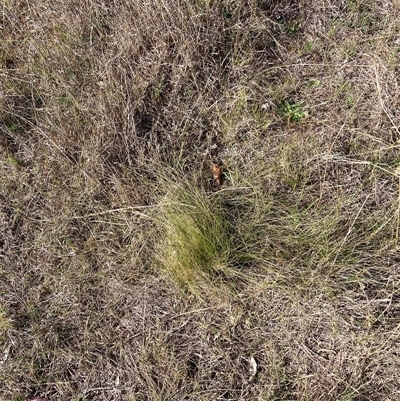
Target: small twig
point(97, 389)
point(132, 209)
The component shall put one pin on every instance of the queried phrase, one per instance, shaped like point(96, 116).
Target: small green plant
point(350, 102)
point(314, 83)
point(13, 161)
point(160, 86)
point(14, 127)
point(308, 46)
point(291, 111)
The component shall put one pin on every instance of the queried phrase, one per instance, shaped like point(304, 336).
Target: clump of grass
point(197, 240)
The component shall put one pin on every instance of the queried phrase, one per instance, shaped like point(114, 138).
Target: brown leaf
point(217, 172)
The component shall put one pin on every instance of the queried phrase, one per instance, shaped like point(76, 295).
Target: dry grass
point(111, 117)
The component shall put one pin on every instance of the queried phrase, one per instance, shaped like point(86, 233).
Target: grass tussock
point(112, 116)
point(197, 237)
point(203, 229)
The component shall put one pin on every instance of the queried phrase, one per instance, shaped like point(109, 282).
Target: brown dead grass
point(102, 102)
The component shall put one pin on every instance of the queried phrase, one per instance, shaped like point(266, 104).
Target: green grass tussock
point(205, 233)
point(197, 240)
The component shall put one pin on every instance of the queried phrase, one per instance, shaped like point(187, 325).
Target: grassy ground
point(127, 272)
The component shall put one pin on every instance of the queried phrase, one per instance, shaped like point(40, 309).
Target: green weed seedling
point(13, 161)
point(291, 111)
point(14, 127)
